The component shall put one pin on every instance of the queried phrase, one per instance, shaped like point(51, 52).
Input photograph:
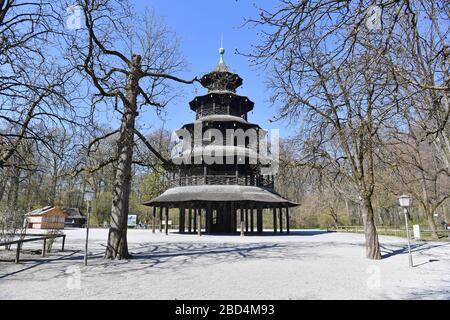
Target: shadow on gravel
point(39, 262)
point(168, 257)
point(393, 250)
point(268, 233)
point(172, 257)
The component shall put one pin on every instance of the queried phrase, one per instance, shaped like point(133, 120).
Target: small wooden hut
point(46, 218)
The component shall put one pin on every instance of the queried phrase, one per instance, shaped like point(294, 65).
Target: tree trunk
point(372, 244)
point(117, 247)
point(347, 208)
point(13, 194)
point(432, 223)
point(54, 182)
point(3, 186)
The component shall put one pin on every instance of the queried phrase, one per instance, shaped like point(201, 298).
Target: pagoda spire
point(222, 66)
point(221, 50)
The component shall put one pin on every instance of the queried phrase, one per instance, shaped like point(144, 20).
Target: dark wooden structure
point(74, 218)
point(218, 182)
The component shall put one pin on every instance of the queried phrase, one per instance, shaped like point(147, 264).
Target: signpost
point(416, 231)
point(89, 196)
point(405, 202)
point(132, 219)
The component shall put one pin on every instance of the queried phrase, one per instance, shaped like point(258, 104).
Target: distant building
point(74, 218)
point(46, 218)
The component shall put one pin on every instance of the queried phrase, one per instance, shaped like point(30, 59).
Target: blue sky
point(199, 24)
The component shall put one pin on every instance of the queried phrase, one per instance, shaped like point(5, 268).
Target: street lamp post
point(405, 202)
point(88, 196)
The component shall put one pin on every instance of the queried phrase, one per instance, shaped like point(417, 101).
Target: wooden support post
point(233, 217)
point(190, 220)
point(259, 223)
point(274, 219)
point(251, 220)
point(63, 242)
point(183, 219)
point(43, 247)
point(195, 220)
point(287, 219)
point(167, 221)
point(208, 222)
point(246, 220)
point(242, 221)
point(199, 221)
point(19, 245)
point(179, 220)
point(281, 219)
point(154, 219)
point(160, 219)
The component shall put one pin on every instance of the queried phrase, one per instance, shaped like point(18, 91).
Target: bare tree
point(34, 81)
point(419, 170)
point(419, 57)
point(339, 70)
point(128, 59)
point(327, 75)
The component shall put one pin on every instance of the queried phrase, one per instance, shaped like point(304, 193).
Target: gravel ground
point(308, 264)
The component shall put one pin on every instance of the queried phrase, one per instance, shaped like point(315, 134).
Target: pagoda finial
point(221, 50)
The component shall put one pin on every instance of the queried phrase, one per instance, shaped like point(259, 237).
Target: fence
point(37, 237)
point(398, 232)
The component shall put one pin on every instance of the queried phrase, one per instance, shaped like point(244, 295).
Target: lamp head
point(404, 200)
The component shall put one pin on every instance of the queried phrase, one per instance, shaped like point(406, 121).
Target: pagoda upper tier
point(221, 79)
point(221, 97)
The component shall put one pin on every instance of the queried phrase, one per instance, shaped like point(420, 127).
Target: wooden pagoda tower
point(227, 196)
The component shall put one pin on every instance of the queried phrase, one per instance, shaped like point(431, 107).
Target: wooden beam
point(195, 219)
point(241, 211)
point(274, 219)
point(43, 247)
point(167, 221)
point(251, 220)
point(19, 245)
point(183, 219)
point(281, 219)
point(199, 221)
point(208, 223)
point(63, 242)
point(190, 220)
point(287, 219)
point(259, 222)
point(246, 220)
point(154, 219)
point(160, 218)
point(179, 220)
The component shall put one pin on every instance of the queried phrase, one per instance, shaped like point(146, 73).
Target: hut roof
point(235, 193)
point(73, 213)
point(40, 211)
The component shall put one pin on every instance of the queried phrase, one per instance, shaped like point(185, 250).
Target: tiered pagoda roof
point(222, 188)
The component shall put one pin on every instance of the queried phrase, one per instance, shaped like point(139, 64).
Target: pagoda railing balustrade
point(248, 180)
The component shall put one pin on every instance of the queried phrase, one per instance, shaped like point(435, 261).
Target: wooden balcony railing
point(248, 180)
